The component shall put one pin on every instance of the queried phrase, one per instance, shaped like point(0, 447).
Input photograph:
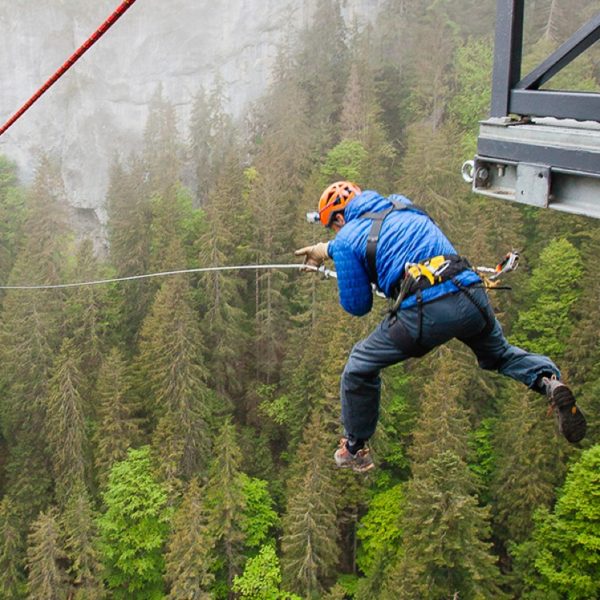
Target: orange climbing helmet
point(334, 199)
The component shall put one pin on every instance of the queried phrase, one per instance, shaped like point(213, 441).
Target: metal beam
point(507, 54)
point(560, 58)
point(582, 106)
point(559, 158)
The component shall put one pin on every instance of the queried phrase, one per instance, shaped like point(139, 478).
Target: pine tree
point(309, 542)
point(546, 326)
point(162, 150)
point(11, 553)
point(12, 215)
point(85, 320)
point(226, 502)
point(212, 135)
point(444, 550)
point(528, 463)
point(65, 423)
point(224, 320)
point(172, 373)
point(190, 553)
point(81, 541)
point(129, 222)
point(563, 551)
point(29, 340)
point(322, 64)
point(199, 145)
point(134, 529)
point(118, 428)
point(46, 578)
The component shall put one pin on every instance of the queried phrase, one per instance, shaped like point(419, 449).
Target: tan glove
point(314, 256)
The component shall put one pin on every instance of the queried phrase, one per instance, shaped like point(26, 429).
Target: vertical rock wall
point(100, 107)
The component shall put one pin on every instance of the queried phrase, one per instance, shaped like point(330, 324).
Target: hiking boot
point(361, 462)
point(571, 422)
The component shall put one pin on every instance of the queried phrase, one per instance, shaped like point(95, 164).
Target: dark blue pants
point(394, 340)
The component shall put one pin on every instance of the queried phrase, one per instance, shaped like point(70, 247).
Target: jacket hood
point(368, 201)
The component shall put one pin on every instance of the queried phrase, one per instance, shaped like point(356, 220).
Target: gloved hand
point(314, 256)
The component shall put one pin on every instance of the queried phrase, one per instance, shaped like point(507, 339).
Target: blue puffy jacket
point(406, 236)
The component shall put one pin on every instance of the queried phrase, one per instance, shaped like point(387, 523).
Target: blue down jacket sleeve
point(355, 292)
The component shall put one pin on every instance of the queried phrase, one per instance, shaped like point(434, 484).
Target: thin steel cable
point(326, 272)
point(112, 19)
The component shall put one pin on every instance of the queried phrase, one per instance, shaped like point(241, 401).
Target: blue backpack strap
point(373, 237)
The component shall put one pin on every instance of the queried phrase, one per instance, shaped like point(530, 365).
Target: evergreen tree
point(162, 150)
point(212, 135)
point(172, 374)
point(46, 578)
point(134, 529)
point(309, 542)
point(200, 146)
point(226, 502)
point(129, 234)
point(12, 215)
point(85, 320)
point(444, 550)
point(224, 320)
point(323, 64)
point(563, 551)
point(11, 553)
point(554, 282)
point(65, 423)
point(29, 340)
point(190, 553)
point(81, 545)
point(528, 463)
point(118, 428)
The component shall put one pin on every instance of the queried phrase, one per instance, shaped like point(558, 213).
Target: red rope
point(116, 15)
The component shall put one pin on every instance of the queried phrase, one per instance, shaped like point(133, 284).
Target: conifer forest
point(173, 437)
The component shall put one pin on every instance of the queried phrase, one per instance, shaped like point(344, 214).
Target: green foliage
point(528, 467)
point(345, 161)
point(379, 530)
point(66, 423)
point(261, 579)
point(555, 283)
point(117, 428)
point(259, 516)
point(12, 583)
point(309, 543)
point(481, 445)
point(189, 558)
point(563, 551)
point(46, 578)
point(395, 106)
point(471, 101)
point(134, 528)
point(81, 541)
point(226, 503)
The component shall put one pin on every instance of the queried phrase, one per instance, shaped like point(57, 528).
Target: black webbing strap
point(489, 322)
point(373, 238)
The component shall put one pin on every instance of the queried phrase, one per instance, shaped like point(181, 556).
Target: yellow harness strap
point(430, 269)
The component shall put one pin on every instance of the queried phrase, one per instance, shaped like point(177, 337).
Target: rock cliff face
point(99, 108)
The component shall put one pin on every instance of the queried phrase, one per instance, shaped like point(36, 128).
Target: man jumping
point(394, 246)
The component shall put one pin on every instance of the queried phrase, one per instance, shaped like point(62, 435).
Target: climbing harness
point(112, 19)
point(373, 237)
